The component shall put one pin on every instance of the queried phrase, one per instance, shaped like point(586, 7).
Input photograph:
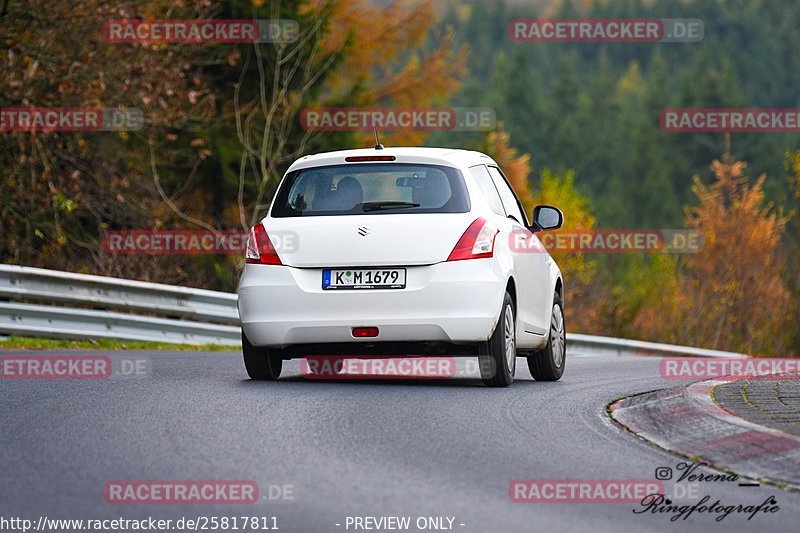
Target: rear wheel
point(260, 363)
point(548, 364)
point(499, 358)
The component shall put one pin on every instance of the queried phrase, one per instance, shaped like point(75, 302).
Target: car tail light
point(477, 242)
point(260, 249)
point(365, 332)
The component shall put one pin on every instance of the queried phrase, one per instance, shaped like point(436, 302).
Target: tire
point(498, 359)
point(259, 362)
point(548, 364)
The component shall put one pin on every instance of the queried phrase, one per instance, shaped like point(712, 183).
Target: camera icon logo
point(663, 473)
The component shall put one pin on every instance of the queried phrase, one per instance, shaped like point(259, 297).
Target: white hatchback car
point(402, 251)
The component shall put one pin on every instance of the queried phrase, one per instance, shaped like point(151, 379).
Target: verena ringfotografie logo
point(659, 504)
point(730, 120)
point(180, 492)
point(582, 490)
point(70, 119)
point(190, 241)
point(200, 31)
point(700, 368)
point(546, 30)
point(72, 366)
point(398, 119)
point(688, 487)
point(606, 241)
point(337, 367)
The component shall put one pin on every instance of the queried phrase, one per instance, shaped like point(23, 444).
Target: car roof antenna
point(378, 145)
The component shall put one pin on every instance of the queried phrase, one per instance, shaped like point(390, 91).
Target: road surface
point(442, 453)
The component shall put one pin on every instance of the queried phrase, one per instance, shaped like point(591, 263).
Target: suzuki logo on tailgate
point(364, 231)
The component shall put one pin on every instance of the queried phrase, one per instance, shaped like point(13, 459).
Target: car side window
point(507, 196)
point(488, 188)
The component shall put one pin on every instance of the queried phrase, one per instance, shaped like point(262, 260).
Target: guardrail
point(597, 345)
point(177, 314)
point(183, 315)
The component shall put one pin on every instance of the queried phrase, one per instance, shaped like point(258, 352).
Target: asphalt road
point(390, 448)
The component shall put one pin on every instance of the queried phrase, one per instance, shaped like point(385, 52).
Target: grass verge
point(34, 343)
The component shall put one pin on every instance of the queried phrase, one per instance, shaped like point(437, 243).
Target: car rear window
point(371, 189)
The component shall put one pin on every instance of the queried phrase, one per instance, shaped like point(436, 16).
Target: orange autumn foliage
point(732, 295)
point(377, 40)
point(516, 168)
point(558, 191)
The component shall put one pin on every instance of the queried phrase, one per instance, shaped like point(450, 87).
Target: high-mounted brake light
point(359, 158)
point(260, 249)
point(477, 242)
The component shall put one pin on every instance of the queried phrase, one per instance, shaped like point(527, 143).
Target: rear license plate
point(364, 278)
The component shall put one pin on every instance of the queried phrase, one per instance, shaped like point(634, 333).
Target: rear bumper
point(453, 302)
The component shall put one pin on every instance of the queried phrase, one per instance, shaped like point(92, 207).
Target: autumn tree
point(732, 295)
point(221, 120)
point(516, 168)
point(792, 241)
point(348, 53)
point(558, 191)
point(60, 190)
point(578, 270)
point(397, 55)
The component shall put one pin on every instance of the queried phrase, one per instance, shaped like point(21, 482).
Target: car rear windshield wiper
point(375, 206)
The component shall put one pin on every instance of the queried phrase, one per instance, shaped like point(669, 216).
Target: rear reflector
point(359, 158)
point(365, 332)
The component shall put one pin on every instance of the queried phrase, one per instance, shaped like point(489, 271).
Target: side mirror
point(546, 217)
